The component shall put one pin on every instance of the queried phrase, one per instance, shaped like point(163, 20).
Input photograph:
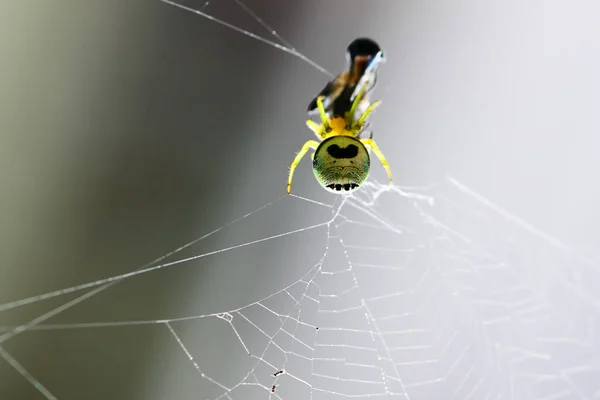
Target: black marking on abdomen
point(336, 151)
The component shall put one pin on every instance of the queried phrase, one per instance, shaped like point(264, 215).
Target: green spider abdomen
point(341, 164)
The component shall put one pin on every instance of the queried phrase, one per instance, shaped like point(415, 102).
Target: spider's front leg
point(363, 118)
point(320, 130)
point(357, 125)
point(311, 144)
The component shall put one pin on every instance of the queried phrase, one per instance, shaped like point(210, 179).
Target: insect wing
point(369, 77)
point(330, 92)
point(314, 110)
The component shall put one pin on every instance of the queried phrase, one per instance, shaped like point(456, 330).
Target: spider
point(341, 160)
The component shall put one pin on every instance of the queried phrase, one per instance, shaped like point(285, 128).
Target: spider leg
point(316, 128)
point(326, 93)
point(311, 144)
point(324, 118)
point(320, 130)
point(366, 129)
point(368, 111)
point(355, 103)
point(371, 144)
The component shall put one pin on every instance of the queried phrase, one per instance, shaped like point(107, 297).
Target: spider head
point(341, 164)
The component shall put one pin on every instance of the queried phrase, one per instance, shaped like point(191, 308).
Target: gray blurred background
point(131, 128)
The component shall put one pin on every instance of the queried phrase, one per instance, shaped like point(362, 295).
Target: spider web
point(410, 293)
point(432, 293)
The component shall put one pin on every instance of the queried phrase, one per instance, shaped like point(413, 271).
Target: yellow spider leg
point(350, 114)
point(311, 144)
point(316, 128)
point(371, 143)
point(324, 117)
point(368, 111)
